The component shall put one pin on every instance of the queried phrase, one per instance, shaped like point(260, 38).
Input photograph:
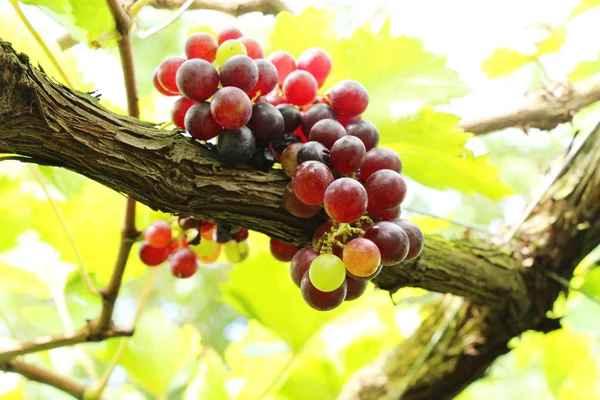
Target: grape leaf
point(504, 61)
point(553, 42)
point(583, 6)
point(408, 75)
point(17, 280)
point(585, 69)
point(433, 153)
point(211, 379)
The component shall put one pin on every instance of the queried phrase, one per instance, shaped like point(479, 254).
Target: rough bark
point(506, 288)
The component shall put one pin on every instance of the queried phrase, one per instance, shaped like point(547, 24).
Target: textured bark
point(506, 288)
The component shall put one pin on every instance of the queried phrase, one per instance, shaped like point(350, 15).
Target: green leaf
point(408, 75)
point(583, 6)
point(210, 382)
point(325, 382)
point(585, 70)
point(260, 287)
point(157, 352)
point(17, 280)
point(553, 42)
point(67, 182)
point(591, 283)
point(433, 153)
point(504, 61)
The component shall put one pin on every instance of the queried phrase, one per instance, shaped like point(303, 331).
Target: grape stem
point(328, 240)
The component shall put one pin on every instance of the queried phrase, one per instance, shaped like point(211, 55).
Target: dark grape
point(223, 233)
point(289, 159)
point(327, 132)
point(266, 122)
point(240, 235)
point(158, 234)
point(347, 155)
point(183, 263)
point(345, 200)
point(386, 214)
point(199, 122)
point(300, 88)
point(349, 98)
point(229, 33)
point(365, 131)
point(386, 189)
point(415, 237)
point(317, 62)
point(160, 87)
point(296, 207)
point(201, 45)
point(301, 263)
point(367, 278)
point(313, 151)
point(253, 48)
point(379, 158)
point(284, 62)
point(282, 251)
point(231, 108)
point(179, 109)
point(291, 117)
point(188, 223)
point(197, 79)
point(267, 79)
point(315, 114)
point(167, 72)
point(356, 287)
point(285, 140)
point(239, 71)
point(236, 146)
point(310, 181)
point(391, 240)
point(322, 301)
point(153, 256)
point(345, 121)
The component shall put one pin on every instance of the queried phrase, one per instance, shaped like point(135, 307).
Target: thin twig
point(172, 18)
point(87, 280)
point(450, 220)
point(550, 179)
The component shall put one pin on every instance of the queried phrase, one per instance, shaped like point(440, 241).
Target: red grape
point(282, 251)
point(288, 158)
point(296, 207)
point(366, 278)
point(240, 235)
point(158, 234)
point(391, 240)
point(345, 121)
point(153, 256)
point(345, 200)
point(231, 108)
point(317, 62)
point(229, 33)
point(327, 131)
point(300, 88)
point(199, 122)
point(236, 146)
point(201, 45)
point(347, 155)
point(253, 48)
point(275, 99)
point(356, 288)
point(284, 62)
point(239, 71)
point(322, 301)
point(310, 181)
point(366, 132)
point(167, 71)
point(267, 79)
point(415, 237)
point(197, 79)
point(315, 114)
point(386, 214)
point(361, 257)
point(301, 263)
point(312, 151)
point(180, 108)
point(379, 158)
point(183, 263)
point(349, 98)
point(292, 117)
point(266, 122)
point(386, 189)
point(160, 87)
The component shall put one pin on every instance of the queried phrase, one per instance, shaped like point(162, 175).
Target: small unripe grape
point(229, 49)
point(327, 272)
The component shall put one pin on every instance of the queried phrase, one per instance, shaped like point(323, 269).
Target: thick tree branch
point(42, 375)
point(232, 7)
point(544, 109)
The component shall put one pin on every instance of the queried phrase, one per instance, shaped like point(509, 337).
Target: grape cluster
point(198, 241)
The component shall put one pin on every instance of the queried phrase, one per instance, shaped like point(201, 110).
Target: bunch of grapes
point(198, 241)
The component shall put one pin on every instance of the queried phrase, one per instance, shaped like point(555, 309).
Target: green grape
point(236, 252)
point(205, 248)
point(228, 49)
point(327, 272)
